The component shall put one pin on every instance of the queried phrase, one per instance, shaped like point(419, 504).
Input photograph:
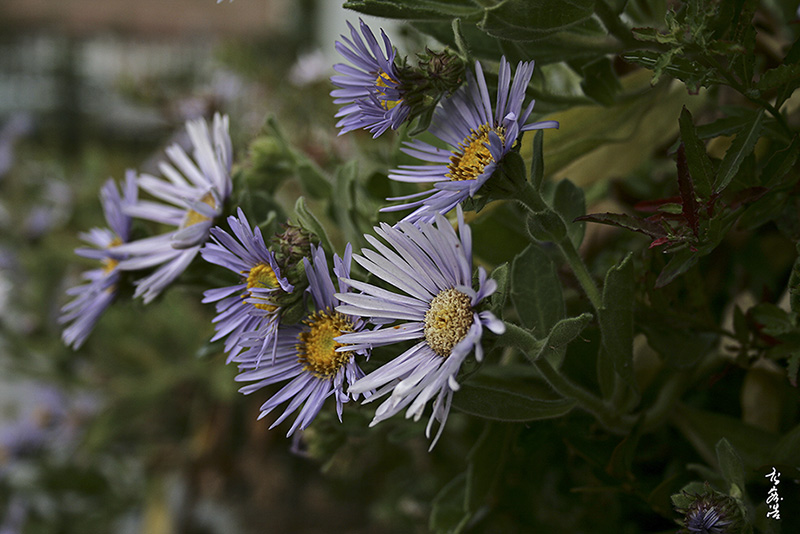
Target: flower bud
point(709, 512)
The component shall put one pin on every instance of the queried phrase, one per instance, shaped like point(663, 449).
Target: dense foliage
point(625, 267)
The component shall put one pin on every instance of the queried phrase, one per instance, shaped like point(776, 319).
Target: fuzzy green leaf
point(486, 461)
point(600, 82)
point(536, 291)
point(508, 399)
point(415, 9)
point(570, 203)
point(616, 318)
point(308, 221)
point(530, 20)
point(730, 463)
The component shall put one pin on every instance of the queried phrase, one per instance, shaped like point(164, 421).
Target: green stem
point(581, 272)
point(530, 198)
point(562, 385)
point(615, 26)
point(674, 388)
point(741, 89)
point(533, 201)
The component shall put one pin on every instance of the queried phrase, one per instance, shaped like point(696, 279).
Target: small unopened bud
point(710, 512)
point(437, 74)
point(291, 246)
point(443, 70)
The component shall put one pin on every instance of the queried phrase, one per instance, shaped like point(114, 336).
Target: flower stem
point(529, 197)
point(562, 385)
point(581, 272)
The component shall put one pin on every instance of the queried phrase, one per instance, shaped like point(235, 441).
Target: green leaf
point(447, 510)
point(500, 234)
point(742, 146)
point(307, 220)
point(536, 291)
point(780, 163)
point(676, 338)
point(565, 330)
point(616, 318)
point(486, 461)
point(700, 168)
point(782, 74)
point(530, 20)
point(681, 261)
point(537, 160)
point(629, 222)
point(724, 126)
point(501, 274)
point(671, 62)
point(554, 346)
point(730, 464)
point(313, 180)
point(513, 168)
point(683, 499)
point(507, 400)
point(570, 203)
point(415, 9)
point(422, 122)
point(604, 368)
point(600, 82)
point(792, 58)
point(546, 226)
point(653, 35)
point(787, 450)
point(773, 321)
point(704, 429)
point(621, 461)
point(343, 209)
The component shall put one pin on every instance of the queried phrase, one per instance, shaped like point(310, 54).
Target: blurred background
point(142, 430)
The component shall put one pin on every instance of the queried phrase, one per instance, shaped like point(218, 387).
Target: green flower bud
point(711, 512)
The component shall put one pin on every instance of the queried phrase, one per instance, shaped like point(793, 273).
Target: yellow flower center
point(193, 217)
point(109, 264)
point(261, 276)
point(447, 321)
point(316, 348)
point(474, 154)
point(381, 82)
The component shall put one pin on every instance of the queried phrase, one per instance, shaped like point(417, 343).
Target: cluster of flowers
point(428, 296)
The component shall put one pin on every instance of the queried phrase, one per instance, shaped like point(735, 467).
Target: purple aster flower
point(478, 140)
point(315, 365)
point(369, 87)
point(194, 192)
point(432, 268)
point(248, 307)
point(90, 299)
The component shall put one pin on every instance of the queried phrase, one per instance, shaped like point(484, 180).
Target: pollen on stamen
point(109, 264)
point(447, 321)
point(316, 348)
point(474, 154)
point(193, 217)
point(261, 276)
point(380, 81)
